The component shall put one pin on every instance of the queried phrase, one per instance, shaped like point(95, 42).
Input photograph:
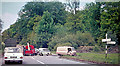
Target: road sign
point(106, 40)
point(111, 42)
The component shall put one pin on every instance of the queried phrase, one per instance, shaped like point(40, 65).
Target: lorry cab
point(29, 50)
point(66, 50)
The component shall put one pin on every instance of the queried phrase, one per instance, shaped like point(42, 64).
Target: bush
point(96, 49)
point(64, 44)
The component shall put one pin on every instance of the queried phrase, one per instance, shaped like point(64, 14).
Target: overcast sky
point(9, 10)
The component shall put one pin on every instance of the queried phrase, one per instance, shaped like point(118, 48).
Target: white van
point(66, 50)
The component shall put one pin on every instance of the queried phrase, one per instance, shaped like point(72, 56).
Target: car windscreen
point(13, 50)
point(73, 49)
point(45, 50)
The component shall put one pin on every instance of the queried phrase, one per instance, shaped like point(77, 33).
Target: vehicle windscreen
point(73, 49)
point(13, 50)
point(45, 50)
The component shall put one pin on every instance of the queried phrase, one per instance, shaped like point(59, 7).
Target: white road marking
point(38, 61)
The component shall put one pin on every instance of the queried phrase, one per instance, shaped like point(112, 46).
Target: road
point(46, 60)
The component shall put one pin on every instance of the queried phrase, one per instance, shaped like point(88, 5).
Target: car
point(13, 54)
point(66, 50)
point(36, 51)
point(44, 51)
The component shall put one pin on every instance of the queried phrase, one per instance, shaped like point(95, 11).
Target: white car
point(36, 51)
point(13, 54)
point(44, 51)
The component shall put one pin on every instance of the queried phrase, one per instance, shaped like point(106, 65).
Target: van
point(66, 50)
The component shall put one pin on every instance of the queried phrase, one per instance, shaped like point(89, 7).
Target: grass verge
point(0, 53)
point(54, 52)
point(96, 57)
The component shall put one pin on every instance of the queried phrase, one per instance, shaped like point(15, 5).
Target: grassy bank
point(95, 57)
point(0, 51)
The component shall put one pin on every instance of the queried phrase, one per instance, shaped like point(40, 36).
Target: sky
point(9, 10)
point(10, 13)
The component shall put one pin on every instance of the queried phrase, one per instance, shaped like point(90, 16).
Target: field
point(96, 57)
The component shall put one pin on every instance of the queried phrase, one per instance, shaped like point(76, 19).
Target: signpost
point(105, 40)
point(111, 42)
point(108, 42)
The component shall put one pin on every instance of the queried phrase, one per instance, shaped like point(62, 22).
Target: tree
point(0, 25)
point(70, 39)
point(72, 5)
point(0, 32)
point(29, 17)
point(57, 9)
point(45, 29)
point(110, 18)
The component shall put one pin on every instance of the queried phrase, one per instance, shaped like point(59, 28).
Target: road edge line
point(38, 61)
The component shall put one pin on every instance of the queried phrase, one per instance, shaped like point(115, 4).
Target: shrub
point(96, 49)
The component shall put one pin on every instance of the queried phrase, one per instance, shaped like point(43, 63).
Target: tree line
point(48, 24)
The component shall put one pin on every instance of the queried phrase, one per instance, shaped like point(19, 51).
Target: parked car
point(13, 54)
point(66, 50)
point(44, 51)
point(36, 51)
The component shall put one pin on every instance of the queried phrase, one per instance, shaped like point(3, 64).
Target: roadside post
point(108, 42)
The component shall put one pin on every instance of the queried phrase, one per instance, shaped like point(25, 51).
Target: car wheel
point(20, 62)
point(47, 54)
point(59, 55)
point(6, 62)
point(41, 54)
point(32, 54)
point(35, 54)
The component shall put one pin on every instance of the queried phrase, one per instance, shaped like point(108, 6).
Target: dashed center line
point(38, 61)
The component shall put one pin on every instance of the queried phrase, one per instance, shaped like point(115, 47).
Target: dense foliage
point(48, 24)
point(0, 33)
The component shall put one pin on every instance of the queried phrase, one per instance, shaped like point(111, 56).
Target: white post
point(28, 46)
point(106, 47)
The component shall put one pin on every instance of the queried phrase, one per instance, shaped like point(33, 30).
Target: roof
point(10, 42)
point(11, 47)
point(65, 46)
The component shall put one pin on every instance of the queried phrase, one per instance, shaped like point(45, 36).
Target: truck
point(29, 50)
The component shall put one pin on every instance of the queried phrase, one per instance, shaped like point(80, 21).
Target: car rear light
point(5, 57)
point(21, 57)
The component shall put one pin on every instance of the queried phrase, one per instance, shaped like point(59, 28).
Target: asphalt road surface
point(45, 60)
